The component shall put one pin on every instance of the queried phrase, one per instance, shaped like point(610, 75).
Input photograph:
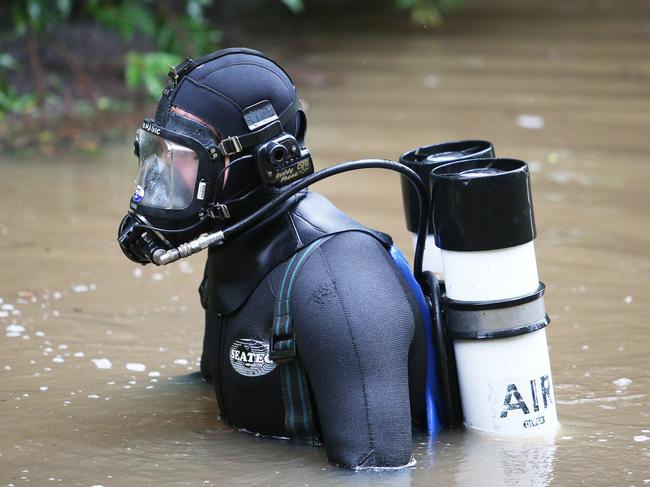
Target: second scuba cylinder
point(494, 307)
point(423, 160)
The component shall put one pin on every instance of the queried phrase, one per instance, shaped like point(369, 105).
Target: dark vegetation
point(69, 65)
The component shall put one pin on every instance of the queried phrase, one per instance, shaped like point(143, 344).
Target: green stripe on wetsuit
point(298, 415)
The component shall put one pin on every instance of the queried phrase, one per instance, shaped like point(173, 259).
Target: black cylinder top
point(482, 204)
point(424, 159)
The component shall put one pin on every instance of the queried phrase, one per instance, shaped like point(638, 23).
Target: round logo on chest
point(251, 357)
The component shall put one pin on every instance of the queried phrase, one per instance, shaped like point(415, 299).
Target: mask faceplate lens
point(167, 172)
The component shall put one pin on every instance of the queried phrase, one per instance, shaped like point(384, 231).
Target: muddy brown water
point(99, 357)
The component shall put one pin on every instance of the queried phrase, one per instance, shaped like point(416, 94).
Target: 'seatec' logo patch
point(250, 357)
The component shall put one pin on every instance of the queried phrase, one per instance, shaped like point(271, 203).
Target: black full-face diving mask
point(182, 167)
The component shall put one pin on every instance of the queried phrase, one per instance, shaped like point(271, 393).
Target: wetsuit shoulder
point(354, 325)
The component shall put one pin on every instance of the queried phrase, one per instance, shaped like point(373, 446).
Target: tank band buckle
point(282, 349)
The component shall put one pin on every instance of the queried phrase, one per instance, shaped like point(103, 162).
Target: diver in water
point(313, 331)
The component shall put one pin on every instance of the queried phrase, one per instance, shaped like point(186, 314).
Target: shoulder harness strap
point(298, 411)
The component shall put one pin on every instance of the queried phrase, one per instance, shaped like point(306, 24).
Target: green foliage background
point(174, 28)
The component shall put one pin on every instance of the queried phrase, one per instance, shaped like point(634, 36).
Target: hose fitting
point(203, 241)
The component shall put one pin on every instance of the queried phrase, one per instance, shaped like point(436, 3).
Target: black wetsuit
point(358, 331)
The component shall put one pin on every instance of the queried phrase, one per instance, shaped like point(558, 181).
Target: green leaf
point(296, 6)
point(7, 61)
point(148, 71)
point(64, 7)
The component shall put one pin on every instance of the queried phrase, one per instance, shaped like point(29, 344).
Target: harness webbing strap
point(298, 412)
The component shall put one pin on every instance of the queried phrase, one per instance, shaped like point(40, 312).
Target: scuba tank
point(493, 301)
point(423, 160)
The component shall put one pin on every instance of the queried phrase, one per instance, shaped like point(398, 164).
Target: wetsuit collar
point(237, 267)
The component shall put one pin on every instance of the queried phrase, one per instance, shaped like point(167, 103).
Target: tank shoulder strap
point(298, 411)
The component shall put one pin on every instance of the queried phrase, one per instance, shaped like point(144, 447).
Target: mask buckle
point(219, 211)
point(230, 146)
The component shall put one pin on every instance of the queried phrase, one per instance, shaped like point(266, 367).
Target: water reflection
point(493, 461)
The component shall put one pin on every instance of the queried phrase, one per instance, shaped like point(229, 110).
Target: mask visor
point(167, 173)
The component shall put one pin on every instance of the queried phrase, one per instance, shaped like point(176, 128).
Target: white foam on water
point(181, 361)
point(136, 367)
point(157, 276)
point(79, 354)
point(185, 267)
point(623, 382)
point(80, 288)
point(102, 363)
point(56, 295)
point(63, 346)
point(4, 314)
point(39, 334)
point(93, 396)
point(627, 299)
point(641, 438)
point(43, 388)
point(588, 400)
point(532, 122)
point(431, 81)
point(137, 272)
point(15, 312)
point(14, 330)
point(154, 373)
point(7, 307)
point(58, 359)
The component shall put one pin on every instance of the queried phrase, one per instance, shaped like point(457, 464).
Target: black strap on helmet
point(236, 143)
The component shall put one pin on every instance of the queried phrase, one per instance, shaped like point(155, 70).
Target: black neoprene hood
point(220, 89)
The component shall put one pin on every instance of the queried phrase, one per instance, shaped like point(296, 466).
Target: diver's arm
point(354, 326)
